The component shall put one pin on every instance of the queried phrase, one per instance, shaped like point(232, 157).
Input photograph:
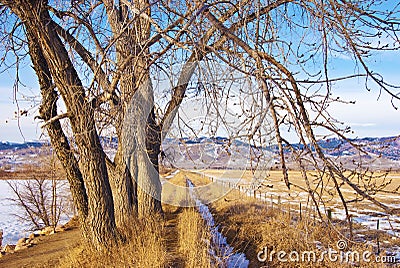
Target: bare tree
point(42, 195)
point(39, 200)
point(105, 59)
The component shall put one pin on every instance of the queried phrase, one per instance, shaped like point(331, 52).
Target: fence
point(292, 207)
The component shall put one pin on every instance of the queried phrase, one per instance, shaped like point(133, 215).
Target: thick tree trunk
point(153, 145)
point(142, 147)
point(123, 181)
point(59, 141)
point(123, 189)
point(100, 223)
point(132, 126)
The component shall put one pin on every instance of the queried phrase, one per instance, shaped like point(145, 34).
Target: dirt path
point(46, 253)
point(171, 236)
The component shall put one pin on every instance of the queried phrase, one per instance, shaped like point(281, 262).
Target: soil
point(171, 234)
point(47, 253)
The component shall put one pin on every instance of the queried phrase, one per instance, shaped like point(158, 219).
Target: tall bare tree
point(106, 59)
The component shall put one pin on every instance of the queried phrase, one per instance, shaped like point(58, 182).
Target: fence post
point(300, 209)
point(329, 214)
point(272, 202)
point(377, 236)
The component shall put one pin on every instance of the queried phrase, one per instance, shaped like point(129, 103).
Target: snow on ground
point(367, 217)
point(220, 249)
point(13, 228)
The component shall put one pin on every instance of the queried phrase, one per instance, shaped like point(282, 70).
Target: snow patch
point(13, 228)
point(220, 249)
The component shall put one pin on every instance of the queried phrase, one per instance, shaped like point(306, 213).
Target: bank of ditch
point(253, 227)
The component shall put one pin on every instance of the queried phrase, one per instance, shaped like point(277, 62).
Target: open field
point(273, 190)
point(245, 224)
point(251, 223)
point(272, 184)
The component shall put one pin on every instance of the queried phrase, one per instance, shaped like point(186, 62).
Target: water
point(220, 249)
point(13, 228)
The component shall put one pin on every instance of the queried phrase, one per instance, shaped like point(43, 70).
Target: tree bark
point(142, 147)
point(123, 189)
point(100, 225)
point(137, 130)
point(59, 141)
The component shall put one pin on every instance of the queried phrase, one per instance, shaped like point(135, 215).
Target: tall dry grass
point(252, 225)
point(144, 247)
point(150, 243)
point(194, 239)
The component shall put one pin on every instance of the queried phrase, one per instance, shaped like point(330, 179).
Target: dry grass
point(176, 193)
point(330, 198)
point(275, 177)
point(145, 248)
point(193, 239)
point(251, 225)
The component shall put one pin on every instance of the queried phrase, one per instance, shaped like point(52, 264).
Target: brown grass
point(275, 177)
point(181, 239)
point(193, 239)
point(144, 248)
point(176, 193)
point(251, 225)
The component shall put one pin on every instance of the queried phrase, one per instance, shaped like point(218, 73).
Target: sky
point(371, 116)
point(25, 128)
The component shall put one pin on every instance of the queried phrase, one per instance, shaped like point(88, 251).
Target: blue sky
point(372, 115)
point(24, 128)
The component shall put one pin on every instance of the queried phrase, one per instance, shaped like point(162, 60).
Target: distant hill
point(221, 152)
point(387, 147)
point(6, 145)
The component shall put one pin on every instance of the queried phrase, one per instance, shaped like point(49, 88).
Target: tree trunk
point(153, 145)
point(142, 147)
point(59, 141)
point(139, 135)
point(123, 189)
point(100, 223)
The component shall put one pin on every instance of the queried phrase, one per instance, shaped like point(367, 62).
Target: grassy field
point(251, 223)
point(272, 183)
point(252, 226)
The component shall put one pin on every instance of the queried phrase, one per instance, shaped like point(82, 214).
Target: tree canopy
point(124, 68)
